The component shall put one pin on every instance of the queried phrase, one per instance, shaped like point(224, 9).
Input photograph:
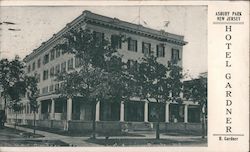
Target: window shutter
point(142, 47)
point(163, 49)
point(172, 54)
point(112, 41)
point(103, 38)
point(129, 39)
point(119, 42)
point(150, 49)
point(157, 50)
point(94, 35)
point(136, 65)
point(44, 60)
point(135, 45)
point(178, 51)
point(128, 64)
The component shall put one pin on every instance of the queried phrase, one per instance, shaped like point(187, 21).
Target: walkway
point(72, 141)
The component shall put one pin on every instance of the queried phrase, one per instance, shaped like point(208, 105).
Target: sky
point(37, 24)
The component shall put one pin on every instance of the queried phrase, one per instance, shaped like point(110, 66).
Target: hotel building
point(75, 114)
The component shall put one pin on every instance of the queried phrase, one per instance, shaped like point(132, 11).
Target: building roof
point(113, 23)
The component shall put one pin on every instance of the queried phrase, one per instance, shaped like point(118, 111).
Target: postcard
point(124, 76)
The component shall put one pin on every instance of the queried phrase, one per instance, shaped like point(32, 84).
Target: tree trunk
point(4, 109)
point(203, 122)
point(203, 126)
point(5, 102)
point(158, 130)
point(93, 120)
point(34, 123)
point(15, 121)
point(158, 122)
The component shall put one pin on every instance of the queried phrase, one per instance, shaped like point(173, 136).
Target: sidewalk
point(73, 141)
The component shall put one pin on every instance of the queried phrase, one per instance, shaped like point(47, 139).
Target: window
point(52, 55)
point(33, 66)
point(160, 50)
point(70, 64)
point(62, 85)
point(109, 111)
point(58, 53)
point(175, 56)
point(132, 45)
point(116, 42)
point(52, 72)
point(98, 37)
point(45, 90)
point(28, 68)
point(146, 48)
point(57, 87)
point(60, 106)
point(46, 59)
point(45, 74)
point(28, 109)
point(132, 64)
point(77, 62)
point(63, 52)
point(63, 67)
point(51, 88)
point(57, 69)
point(38, 77)
point(38, 63)
point(27, 94)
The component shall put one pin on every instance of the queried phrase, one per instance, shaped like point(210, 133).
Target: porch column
point(97, 111)
point(146, 111)
point(181, 95)
point(39, 112)
point(69, 109)
point(186, 113)
point(49, 107)
point(53, 108)
point(122, 111)
point(167, 112)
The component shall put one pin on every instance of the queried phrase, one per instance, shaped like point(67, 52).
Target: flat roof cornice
point(113, 23)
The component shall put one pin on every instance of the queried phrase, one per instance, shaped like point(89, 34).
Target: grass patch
point(11, 130)
point(182, 133)
point(147, 142)
point(24, 143)
point(15, 133)
point(86, 133)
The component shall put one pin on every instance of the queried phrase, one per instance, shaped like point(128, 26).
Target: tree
point(156, 82)
point(196, 90)
point(99, 70)
point(31, 87)
point(16, 85)
point(4, 80)
point(16, 106)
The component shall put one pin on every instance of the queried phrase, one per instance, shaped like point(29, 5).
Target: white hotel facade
point(75, 113)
